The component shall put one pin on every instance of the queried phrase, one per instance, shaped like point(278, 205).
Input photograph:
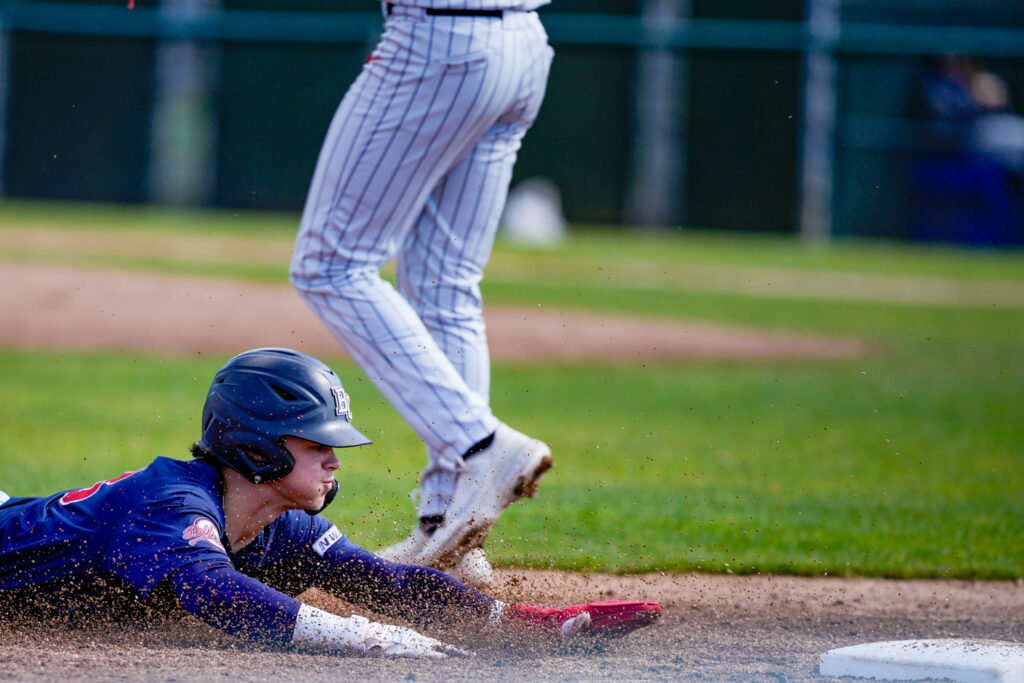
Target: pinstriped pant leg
point(441, 264)
point(385, 151)
point(399, 140)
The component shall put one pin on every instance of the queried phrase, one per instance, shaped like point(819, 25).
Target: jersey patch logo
point(326, 540)
point(342, 404)
point(203, 530)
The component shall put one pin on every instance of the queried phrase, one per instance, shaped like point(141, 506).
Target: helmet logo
point(342, 405)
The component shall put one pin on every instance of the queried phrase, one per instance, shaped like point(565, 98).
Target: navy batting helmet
point(263, 395)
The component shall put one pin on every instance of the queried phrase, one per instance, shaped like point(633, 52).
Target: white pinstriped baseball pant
point(415, 167)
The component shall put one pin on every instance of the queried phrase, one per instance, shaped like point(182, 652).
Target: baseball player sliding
point(415, 167)
point(234, 534)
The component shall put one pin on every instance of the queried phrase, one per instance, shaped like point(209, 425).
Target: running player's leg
point(441, 263)
point(439, 270)
point(386, 151)
point(390, 143)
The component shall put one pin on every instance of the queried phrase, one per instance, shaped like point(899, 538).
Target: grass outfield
point(909, 463)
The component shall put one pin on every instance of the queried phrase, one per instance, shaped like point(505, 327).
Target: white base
point(969, 661)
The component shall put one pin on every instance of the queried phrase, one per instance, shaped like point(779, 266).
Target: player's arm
point(420, 594)
point(235, 603)
point(429, 596)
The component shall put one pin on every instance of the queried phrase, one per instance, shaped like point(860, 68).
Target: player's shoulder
point(190, 468)
point(172, 478)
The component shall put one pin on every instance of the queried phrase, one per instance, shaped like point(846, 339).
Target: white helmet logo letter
point(342, 407)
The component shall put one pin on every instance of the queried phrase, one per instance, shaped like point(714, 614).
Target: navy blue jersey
point(141, 527)
point(166, 521)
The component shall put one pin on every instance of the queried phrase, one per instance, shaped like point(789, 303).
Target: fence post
point(656, 194)
point(817, 153)
point(5, 93)
point(183, 133)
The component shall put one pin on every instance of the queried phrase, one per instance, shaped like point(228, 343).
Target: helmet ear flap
point(257, 458)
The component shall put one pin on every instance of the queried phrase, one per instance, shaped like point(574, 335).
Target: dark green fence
point(82, 88)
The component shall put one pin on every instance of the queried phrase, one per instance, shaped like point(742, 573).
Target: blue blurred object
point(966, 199)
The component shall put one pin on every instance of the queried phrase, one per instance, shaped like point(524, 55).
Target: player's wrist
point(497, 615)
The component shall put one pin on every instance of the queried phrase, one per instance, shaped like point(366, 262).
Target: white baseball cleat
point(473, 568)
point(508, 469)
point(408, 550)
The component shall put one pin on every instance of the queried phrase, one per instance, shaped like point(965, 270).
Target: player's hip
point(411, 38)
point(473, 80)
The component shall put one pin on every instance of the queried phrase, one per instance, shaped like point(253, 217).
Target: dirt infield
point(715, 627)
point(54, 308)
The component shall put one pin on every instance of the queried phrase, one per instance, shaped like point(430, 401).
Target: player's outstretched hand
point(398, 641)
point(610, 618)
point(314, 626)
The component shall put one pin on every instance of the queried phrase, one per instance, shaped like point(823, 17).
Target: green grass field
point(907, 463)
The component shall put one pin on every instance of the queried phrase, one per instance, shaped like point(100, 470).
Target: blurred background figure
point(945, 91)
point(967, 182)
point(998, 131)
point(533, 214)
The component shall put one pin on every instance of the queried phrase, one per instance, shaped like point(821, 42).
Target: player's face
point(313, 475)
